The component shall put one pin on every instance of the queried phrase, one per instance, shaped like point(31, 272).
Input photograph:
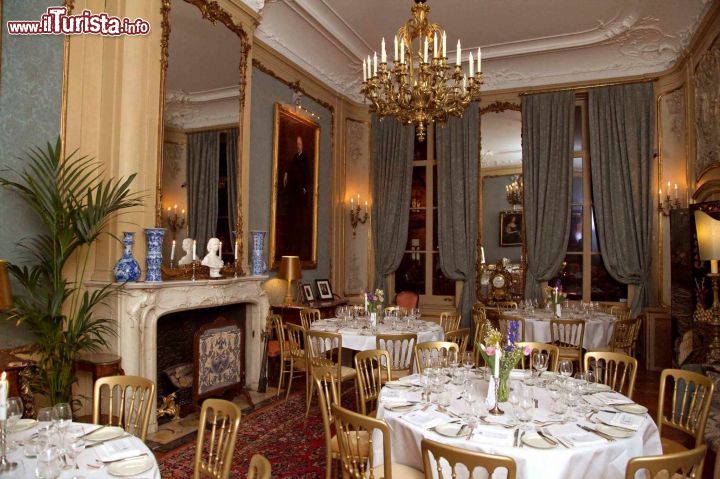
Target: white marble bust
point(212, 258)
point(187, 245)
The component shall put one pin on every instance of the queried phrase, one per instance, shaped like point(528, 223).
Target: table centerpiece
point(502, 355)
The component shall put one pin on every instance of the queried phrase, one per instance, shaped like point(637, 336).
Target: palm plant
point(75, 204)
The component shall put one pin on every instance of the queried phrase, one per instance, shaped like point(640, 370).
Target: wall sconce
point(175, 222)
point(356, 218)
point(666, 205)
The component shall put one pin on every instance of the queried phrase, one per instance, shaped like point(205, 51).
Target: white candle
point(444, 53)
point(402, 51)
point(425, 51)
point(366, 304)
point(194, 250)
point(383, 58)
point(364, 71)
point(395, 58)
point(220, 249)
point(472, 65)
point(458, 61)
point(498, 357)
point(236, 251)
point(375, 64)
point(4, 388)
point(172, 252)
point(479, 69)
point(435, 46)
point(676, 191)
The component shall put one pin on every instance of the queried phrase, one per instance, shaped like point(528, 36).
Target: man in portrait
point(295, 202)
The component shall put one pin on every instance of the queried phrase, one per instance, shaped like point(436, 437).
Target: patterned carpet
point(295, 446)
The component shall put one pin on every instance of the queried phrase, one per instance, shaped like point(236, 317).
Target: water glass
point(540, 363)
point(566, 368)
point(525, 411)
point(48, 464)
point(61, 418)
point(33, 446)
point(75, 448)
point(514, 396)
point(14, 413)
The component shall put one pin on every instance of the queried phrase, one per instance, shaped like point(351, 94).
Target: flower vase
point(502, 390)
point(257, 256)
point(373, 319)
point(154, 254)
point(127, 269)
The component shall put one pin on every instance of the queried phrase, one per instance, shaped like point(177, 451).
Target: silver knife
point(107, 440)
point(517, 438)
point(555, 438)
point(546, 439)
point(596, 432)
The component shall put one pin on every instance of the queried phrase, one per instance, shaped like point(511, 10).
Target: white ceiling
point(525, 42)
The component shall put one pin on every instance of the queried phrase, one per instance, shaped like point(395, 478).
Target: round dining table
point(583, 454)
point(598, 326)
point(364, 338)
point(122, 455)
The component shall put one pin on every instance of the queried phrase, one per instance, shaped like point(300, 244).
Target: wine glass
point(75, 448)
point(525, 411)
point(453, 359)
point(514, 396)
point(566, 368)
point(14, 413)
point(62, 417)
point(540, 363)
point(468, 362)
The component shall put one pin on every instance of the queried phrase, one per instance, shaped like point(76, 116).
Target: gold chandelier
point(420, 89)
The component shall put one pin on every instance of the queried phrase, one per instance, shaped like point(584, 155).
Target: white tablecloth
point(598, 328)
point(597, 460)
point(364, 339)
point(26, 466)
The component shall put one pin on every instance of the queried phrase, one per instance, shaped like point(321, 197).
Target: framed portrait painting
point(293, 217)
point(511, 223)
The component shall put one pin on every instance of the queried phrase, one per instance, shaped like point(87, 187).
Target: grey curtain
point(457, 153)
point(547, 147)
point(231, 150)
point(622, 120)
point(392, 151)
point(203, 149)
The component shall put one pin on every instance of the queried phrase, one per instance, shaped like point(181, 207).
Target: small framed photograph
point(308, 294)
point(324, 289)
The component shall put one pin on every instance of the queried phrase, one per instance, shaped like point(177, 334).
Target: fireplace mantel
point(137, 307)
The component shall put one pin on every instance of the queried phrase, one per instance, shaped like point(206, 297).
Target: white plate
point(536, 441)
point(105, 433)
point(24, 425)
point(598, 387)
point(632, 408)
point(452, 430)
point(614, 431)
point(130, 467)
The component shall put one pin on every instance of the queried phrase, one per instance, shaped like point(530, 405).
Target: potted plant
point(75, 204)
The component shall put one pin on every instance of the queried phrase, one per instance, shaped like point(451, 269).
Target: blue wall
point(266, 91)
point(30, 99)
point(494, 202)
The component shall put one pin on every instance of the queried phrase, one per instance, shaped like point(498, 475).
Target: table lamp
point(290, 270)
point(708, 235)
point(6, 301)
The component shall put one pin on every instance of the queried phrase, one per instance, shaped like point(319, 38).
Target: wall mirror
point(199, 170)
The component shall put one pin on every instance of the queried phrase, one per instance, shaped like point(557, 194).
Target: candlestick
point(383, 57)
point(458, 60)
point(496, 411)
point(236, 251)
point(472, 65)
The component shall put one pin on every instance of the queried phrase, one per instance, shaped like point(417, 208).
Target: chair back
point(505, 321)
point(459, 337)
point(691, 397)
point(309, 316)
point(276, 323)
point(617, 370)
point(325, 349)
point(400, 349)
point(450, 321)
point(353, 432)
point(223, 418)
point(326, 383)
point(503, 306)
point(680, 465)
point(296, 341)
point(433, 454)
point(129, 400)
point(407, 299)
point(624, 336)
point(426, 352)
point(481, 324)
point(568, 335)
point(260, 468)
point(372, 366)
point(551, 350)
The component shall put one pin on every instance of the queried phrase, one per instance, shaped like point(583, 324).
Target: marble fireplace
point(138, 307)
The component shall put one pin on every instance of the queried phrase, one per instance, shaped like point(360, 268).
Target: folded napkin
point(581, 438)
point(622, 420)
point(612, 398)
point(398, 405)
point(426, 419)
point(118, 449)
point(493, 434)
point(350, 330)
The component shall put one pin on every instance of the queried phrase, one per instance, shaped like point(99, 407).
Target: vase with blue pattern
point(127, 269)
point(257, 255)
point(154, 254)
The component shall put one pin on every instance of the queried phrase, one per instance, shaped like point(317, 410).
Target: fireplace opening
point(214, 337)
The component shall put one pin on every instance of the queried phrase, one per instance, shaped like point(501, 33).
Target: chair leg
point(310, 394)
point(292, 373)
point(280, 379)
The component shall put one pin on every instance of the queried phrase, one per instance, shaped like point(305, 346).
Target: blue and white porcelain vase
point(154, 254)
point(127, 269)
point(257, 257)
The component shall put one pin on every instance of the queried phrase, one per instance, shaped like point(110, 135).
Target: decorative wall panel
point(357, 181)
point(707, 109)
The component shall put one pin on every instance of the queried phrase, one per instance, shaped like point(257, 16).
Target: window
point(420, 269)
point(584, 276)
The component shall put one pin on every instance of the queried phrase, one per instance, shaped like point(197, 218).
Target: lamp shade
point(290, 268)
point(6, 301)
point(708, 234)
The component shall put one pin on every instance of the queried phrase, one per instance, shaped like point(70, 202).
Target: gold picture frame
point(293, 206)
point(511, 226)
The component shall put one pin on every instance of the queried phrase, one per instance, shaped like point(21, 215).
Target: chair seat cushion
point(364, 445)
point(399, 471)
point(347, 373)
point(669, 446)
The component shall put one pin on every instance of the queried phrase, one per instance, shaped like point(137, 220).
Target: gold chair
point(223, 423)
point(425, 352)
point(260, 468)
point(691, 397)
point(277, 325)
point(296, 342)
point(326, 384)
point(625, 334)
point(504, 321)
point(134, 400)
point(450, 321)
point(309, 316)
point(551, 350)
point(353, 432)
point(459, 337)
point(568, 335)
point(455, 455)
point(325, 349)
point(680, 465)
point(505, 306)
point(481, 324)
point(400, 349)
point(614, 369)
point(373, 369)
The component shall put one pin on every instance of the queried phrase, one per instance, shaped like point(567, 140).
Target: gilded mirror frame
point(213, 12)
